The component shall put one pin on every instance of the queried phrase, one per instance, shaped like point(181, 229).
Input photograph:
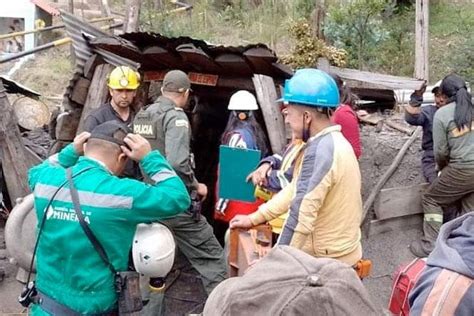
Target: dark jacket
point(168, 130)
point(104, 114)
point(446, 284)
point(425, 120)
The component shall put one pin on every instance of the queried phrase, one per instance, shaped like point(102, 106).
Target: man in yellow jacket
point(324, 200)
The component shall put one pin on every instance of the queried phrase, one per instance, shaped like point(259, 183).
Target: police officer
point(72, 278)
point(123, 83)
point(166, 127)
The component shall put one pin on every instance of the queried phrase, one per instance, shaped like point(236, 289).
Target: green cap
point(176, 81)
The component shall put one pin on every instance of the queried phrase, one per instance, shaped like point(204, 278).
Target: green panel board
point(235, 164)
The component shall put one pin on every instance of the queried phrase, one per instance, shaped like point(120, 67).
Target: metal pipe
point(20, 232)
point(49, 28)
point(56, 43)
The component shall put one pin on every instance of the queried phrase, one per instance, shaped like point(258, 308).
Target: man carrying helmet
point(123, 83)
point(324, 197)
point(72, 275)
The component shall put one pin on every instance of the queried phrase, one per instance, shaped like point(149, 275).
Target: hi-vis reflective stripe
point(54, 159)
point(163, 175)
point(434, 218)
point(86, 198)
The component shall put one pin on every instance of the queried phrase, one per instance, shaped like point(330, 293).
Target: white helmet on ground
point(242, 100)
point(153, 250)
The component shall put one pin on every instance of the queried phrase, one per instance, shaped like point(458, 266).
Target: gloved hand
point(221, 205)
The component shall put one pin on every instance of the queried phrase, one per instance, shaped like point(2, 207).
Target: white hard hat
point(242, 100)
point(153, 250)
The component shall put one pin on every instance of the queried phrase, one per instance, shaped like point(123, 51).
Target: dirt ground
point(379, 150)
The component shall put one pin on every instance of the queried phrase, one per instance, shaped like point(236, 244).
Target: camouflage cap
point(176, 81)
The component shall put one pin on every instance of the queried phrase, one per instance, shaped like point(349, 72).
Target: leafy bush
point(308, 49)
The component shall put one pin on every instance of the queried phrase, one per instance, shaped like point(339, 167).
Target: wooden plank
point(267, 96)
point(97, 94)
point(422, 40)
point(370, 80)
point(395, 202)
point(12, 152)
point(90, 65)
point(373, 119)
point(404, 129)
point(399, 224)
point(66, 125)
point(79, 91)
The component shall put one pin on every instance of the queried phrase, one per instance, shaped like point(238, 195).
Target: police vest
point(149, 124)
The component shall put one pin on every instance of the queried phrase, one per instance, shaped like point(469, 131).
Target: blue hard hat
point(311, 87)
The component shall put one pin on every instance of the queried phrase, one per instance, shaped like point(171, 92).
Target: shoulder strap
point(43, 221)
point(85, 227)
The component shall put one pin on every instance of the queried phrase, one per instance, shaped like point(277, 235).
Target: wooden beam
point(67, 123)
point(370, 80)
point(398, 224)
point(79, 91)
point(132, 16)
point(396, 162)
point(267, 96)
point(97, 94)
point(395, 202)
point(399, 127)
point(12, 152)
point(90, 65)
point(422, 40)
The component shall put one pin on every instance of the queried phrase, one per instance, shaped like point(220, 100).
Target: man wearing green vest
point(71, 275)
point(167, 128)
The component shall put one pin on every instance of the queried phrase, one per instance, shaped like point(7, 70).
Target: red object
point(237, 208)
point(347, 118)
point(404, 281)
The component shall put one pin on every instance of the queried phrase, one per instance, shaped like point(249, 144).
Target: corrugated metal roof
point(14, 87)
point(149, 51)
point(157, 52)
point(79, 30)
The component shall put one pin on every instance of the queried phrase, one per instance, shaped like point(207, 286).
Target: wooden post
point(317, 18)
point(422, 40)
point(131, 22)
point(98, 92)
point(12, 152)
point(267, 96)
point(105, 8)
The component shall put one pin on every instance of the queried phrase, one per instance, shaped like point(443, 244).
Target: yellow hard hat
point(123, 78)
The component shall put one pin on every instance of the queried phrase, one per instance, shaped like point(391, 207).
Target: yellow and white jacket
point(324, 200)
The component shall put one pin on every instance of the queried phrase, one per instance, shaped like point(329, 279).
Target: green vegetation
point(242, 22)
point(377, 35)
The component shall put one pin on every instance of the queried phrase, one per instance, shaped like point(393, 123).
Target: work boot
point(421, 248)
